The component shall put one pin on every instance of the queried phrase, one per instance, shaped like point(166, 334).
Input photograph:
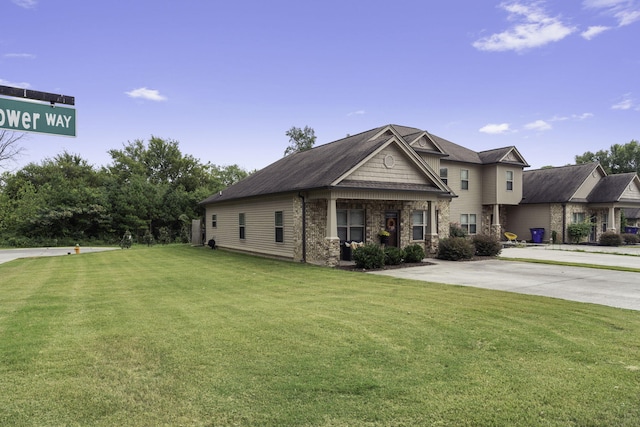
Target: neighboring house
point(309, 205)
point(553, 198)
point(632, 216)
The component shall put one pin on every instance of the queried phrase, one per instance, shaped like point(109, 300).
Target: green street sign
point(25, 116)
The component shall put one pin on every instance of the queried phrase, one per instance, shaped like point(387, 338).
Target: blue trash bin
point(537, 234)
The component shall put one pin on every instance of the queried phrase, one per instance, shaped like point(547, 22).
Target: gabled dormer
point(502, 176)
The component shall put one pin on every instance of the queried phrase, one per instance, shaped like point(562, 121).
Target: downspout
point(564, 221)
point(304, 228)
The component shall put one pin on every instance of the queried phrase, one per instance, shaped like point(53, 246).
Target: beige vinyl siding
point(505, 197)
point(468, 201)
point(632, 192)
point(259, 225)
point(432, 161)
point(490, 179)
point(588, 185)
point(524, 217)
point(402, 170)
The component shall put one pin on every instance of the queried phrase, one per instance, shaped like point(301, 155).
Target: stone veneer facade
point(321, 250)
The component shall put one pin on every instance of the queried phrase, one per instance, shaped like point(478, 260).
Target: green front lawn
point(189, 336)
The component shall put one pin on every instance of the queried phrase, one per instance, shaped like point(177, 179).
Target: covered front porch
point(339, 220)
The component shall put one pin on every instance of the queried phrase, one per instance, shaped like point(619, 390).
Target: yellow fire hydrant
point(77, 248)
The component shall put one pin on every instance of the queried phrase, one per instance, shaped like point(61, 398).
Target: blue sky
point(227, 79)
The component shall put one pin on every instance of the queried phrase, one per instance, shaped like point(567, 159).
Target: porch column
point(332, 241)
point(496, 228)
point(612, 219)
point(433, 220)
point(332, 219)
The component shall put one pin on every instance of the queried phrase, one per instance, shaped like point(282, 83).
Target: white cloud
point(22, 85)
point(538, 125)
point(625, 104)
point(19, 55)
point(495, 129)
point(578, 117)
point(144, 93)
point(593, 31)
point(533, 28)
point(27, 4)
point(357, 113)
point(626, 12)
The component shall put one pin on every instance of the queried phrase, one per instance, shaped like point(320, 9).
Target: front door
point(392, 225)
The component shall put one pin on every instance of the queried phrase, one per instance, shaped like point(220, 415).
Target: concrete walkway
point(7, 255)
point(606, 287)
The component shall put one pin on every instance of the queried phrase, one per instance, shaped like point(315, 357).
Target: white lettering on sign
point(57, 120)
point(19, 119)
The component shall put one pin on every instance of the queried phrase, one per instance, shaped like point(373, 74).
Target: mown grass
point(188, 336)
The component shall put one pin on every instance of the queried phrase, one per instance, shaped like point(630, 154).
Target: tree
point(300, 139)
point(618, 159)
point(9, 148)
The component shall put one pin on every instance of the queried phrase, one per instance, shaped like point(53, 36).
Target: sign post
point(28, 116)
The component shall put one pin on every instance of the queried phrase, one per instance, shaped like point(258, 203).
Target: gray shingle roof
point(321, 166)
point(554, 185)
point(311, 169)
point(610, 188)
point(632, 213)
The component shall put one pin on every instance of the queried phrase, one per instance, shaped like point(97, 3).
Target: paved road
point(7, 255)
point(606, 287)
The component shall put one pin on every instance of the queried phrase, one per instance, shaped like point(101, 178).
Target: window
point(241, 225)
point(578, 217)
point(468, 223)
point(509, 180)
point(464, 179)
point(214, 221)
point(419, 225)
point(351, 225)
point(279, 222)
point(605, 221)
point(444, 173)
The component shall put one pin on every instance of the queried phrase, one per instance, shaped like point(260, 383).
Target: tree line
point(150, 189)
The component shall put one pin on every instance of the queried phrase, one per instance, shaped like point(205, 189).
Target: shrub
point(455, 249)
point(610, 238)
point(578, 231)
point(456, 231)
point(630, 239)
point(369, 256)
point(414, 253)
point(164, 235)
point(393, 255)
point(486, 245)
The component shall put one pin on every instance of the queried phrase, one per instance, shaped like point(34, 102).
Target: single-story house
point(312, 205)
point(553, 198)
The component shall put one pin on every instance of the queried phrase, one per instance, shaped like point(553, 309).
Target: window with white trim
point(464, 179)
point(419, 221)
point(444, 174)
point(578, 217)
point(351, 225)
point(241, 225)
point(214, 221)
point(279, 224)
point(605, 221)
point(509, 180)
point(468, 223)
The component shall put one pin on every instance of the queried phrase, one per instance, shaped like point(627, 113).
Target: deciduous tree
point(300, 139)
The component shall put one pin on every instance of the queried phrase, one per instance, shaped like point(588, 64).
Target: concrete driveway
point(606, 287)
point(7, 255)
